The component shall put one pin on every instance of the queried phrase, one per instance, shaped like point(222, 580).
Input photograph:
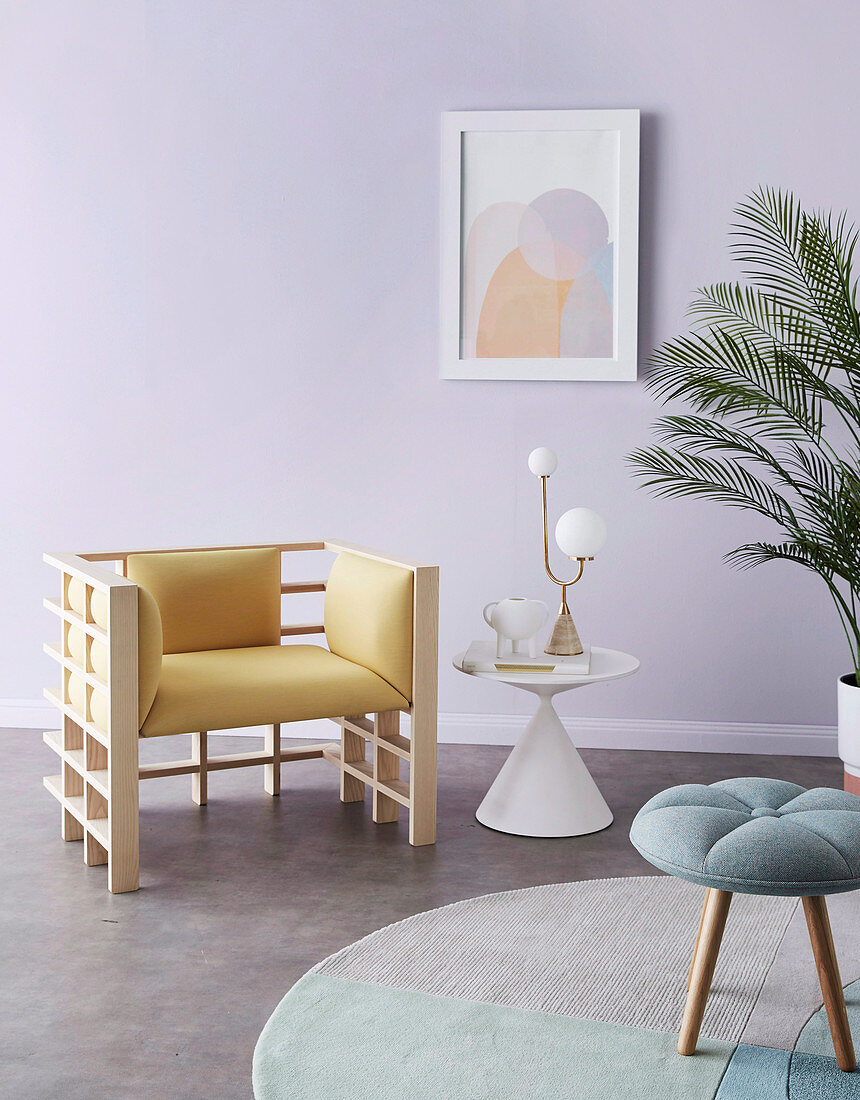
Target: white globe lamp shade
point(543, 462)
point(580, 533)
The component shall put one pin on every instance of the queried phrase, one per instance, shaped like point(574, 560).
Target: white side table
point(544, 788)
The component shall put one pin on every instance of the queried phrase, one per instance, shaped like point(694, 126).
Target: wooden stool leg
point(698, 938)
point(704, 961)
point(818, 923)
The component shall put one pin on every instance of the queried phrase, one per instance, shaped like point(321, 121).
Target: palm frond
point(804, 261)
point(771, 375)
point(672, 473)
point(697, 434)
point(727, 375)
point(764, 321)
point(753, 554)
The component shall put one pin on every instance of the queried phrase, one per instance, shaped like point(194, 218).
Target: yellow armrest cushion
point(149, 651)
point(368, 617)
point(98, 603)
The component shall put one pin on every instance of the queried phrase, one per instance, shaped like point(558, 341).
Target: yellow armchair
point(191, 640)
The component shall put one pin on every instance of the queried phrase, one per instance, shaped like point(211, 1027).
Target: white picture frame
point(494, 164)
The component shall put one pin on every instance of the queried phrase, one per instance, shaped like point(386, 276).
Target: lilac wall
point(219, 230)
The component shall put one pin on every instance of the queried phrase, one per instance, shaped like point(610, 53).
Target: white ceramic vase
point(516, 620)
point(848, 707)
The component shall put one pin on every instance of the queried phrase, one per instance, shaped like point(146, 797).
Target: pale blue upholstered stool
point(757, 836)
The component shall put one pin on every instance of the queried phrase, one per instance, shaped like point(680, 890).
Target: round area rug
point(573, 990)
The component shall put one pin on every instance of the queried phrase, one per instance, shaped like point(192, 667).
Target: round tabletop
point(606, 664)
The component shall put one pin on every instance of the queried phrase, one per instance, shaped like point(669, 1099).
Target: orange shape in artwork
point(521, 314)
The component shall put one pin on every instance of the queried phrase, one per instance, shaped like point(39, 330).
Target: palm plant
point(771, 372)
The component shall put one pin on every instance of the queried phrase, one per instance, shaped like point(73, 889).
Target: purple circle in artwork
point(560, 231)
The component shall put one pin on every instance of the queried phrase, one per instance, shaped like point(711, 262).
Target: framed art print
point(540, 228)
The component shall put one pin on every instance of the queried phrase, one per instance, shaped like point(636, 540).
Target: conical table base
point(544, 788)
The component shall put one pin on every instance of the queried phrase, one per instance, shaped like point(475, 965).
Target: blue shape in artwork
point(602, 264)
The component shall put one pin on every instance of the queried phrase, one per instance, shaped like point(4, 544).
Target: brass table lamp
point(580, 534)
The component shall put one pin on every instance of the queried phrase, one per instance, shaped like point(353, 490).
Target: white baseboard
point(588, 733)
point(649, 733)
point(27, 714)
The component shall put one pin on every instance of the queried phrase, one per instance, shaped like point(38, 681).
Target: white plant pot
point(516, 620)
point(848, 707)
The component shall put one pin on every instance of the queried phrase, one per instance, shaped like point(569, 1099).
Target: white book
point(481, 657)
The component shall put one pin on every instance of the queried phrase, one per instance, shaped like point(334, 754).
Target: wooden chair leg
point(199, 779)
point(272, 772)
point(73, 783)
point(386, 765)
point(123, 759)
point(705, 959)
point(818, 923)
point(422, 766)
point(94, 854)
point(71, 828)
point(698, 938)
point(352, 748)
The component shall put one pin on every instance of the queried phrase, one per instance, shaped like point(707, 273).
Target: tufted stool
point(757, 836)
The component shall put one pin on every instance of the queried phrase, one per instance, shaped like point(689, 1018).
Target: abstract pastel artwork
point(539, 238)
point(551, 293)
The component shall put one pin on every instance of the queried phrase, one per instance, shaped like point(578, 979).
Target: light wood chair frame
point(708, 939)
point(98, 786)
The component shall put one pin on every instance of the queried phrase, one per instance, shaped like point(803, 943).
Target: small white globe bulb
point(543, 462)
point(580, 533)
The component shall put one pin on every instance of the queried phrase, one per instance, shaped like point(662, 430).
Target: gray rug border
point(464, 901)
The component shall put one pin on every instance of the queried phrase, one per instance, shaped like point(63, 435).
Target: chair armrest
point(100, 716)
point(96, 576)
point(366, 611)
point(423, 711)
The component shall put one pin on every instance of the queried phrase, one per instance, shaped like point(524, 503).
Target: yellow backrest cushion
point(368, 617)
point(213, 599)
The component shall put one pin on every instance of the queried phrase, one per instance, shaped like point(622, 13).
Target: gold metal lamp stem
point(564, 641)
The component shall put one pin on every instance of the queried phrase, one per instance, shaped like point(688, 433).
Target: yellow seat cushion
point(368, 617)
point(213, 599)
point(258, 686)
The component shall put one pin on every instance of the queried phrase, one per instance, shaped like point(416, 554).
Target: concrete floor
point(163, 993)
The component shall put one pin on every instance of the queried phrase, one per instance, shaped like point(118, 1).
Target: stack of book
point(481, 657)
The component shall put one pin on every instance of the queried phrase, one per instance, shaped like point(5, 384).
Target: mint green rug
point(570, 991)
point(385, 1042)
